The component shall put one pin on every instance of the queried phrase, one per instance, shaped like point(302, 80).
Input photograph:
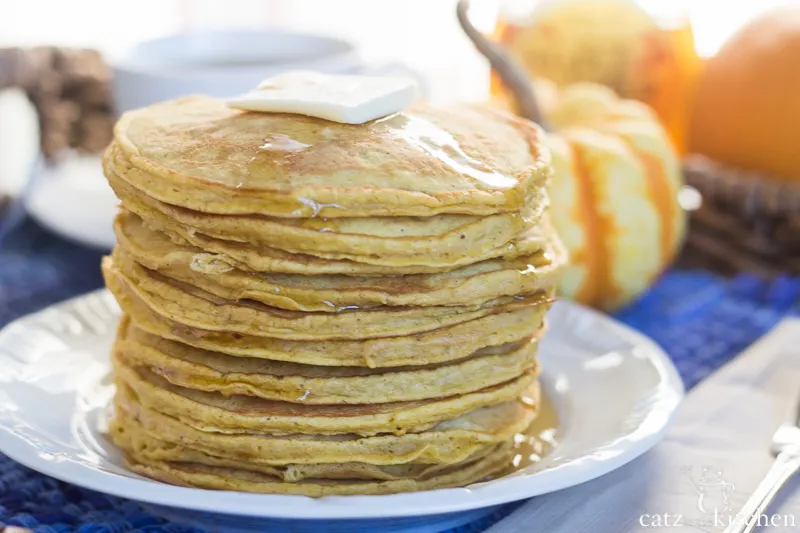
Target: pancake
point(197, 153)
point(196, 308)
point(449, 442)
point(239, 414)
point(224, 478)
point(318, 308)
point(385, 241)
point(438, 346)
point(129, 435)
point(259, 258)
point(203, 370)
point(475, 283)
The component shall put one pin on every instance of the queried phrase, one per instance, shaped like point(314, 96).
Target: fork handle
point(786, 464)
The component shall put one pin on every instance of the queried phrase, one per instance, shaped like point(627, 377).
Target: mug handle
point(401, 70)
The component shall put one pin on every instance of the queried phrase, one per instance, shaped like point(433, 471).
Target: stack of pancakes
point(320, 308)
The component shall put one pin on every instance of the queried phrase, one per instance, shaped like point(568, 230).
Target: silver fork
point(786, 448)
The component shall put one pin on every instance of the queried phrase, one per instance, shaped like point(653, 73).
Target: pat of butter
point(348, 99)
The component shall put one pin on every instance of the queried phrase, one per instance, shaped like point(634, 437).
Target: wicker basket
point(746, 223)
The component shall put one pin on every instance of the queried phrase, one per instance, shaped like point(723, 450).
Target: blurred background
point(422, 33)
point(68, 68)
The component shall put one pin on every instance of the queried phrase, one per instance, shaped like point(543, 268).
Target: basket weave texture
point(747, 222)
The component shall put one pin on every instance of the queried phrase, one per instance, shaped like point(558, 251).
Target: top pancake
point(195, 152)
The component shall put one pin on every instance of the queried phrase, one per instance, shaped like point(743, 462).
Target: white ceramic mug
point(228, 62)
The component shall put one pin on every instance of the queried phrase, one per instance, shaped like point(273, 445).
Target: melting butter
point(349, 99)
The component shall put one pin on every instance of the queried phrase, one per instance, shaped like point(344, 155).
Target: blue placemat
point(702, 321)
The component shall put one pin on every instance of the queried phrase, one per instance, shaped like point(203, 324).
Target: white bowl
point(222, 63)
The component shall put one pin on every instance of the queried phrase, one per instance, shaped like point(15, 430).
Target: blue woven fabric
point(702, 322)
point(38, 269)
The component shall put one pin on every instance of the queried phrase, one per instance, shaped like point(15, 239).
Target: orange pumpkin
point(612, 42)
point(614, 192)
point(747, 108)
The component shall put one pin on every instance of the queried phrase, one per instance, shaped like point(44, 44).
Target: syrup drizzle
point(278, 142)
point(435, 141)
point(538, 440)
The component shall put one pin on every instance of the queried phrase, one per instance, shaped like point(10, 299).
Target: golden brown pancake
point(237, 479)
point(475, 283)
point(382, 241)
point(130, 435)
point(200, 475)
point(441, 345)
point(196, 308)
point(203, 370)
point(239, 414)
point(259, 258)
point(197, 153)
point(449, 442)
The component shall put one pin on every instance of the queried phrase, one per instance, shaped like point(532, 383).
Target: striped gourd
point(614, 193)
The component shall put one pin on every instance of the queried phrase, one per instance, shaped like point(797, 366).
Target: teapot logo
point(713, 492)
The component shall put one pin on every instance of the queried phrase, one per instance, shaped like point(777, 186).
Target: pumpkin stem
point(510, 71)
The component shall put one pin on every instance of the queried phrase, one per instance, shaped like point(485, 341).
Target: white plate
point(615, 391)
point(74, 200)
